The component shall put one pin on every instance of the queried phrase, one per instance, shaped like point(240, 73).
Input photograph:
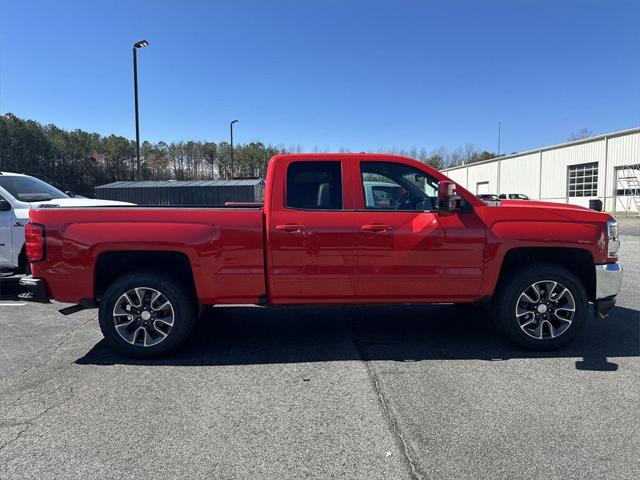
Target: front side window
point(394, 186)
point(314, 186)
point(583, 180)
point(5, 206)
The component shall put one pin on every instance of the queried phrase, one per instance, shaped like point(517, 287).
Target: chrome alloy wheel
point(143, 316)
point(545, 310)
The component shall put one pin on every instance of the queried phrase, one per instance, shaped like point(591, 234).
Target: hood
point(539, 203)
point(77, 202)
point(534, 211)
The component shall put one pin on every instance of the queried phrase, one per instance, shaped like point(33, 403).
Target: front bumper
point(35, 290)
point(608, 283)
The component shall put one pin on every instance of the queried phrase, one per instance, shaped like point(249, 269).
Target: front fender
point(503, 237)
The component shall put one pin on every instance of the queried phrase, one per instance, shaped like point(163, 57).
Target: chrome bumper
point(608, 280)
point(608, 283)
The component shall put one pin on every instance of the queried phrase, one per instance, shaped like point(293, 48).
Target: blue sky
point(363, 75)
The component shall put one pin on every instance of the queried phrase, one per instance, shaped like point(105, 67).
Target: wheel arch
point(111, 265)
point(576, 260)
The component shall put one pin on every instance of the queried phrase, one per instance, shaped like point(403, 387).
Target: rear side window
point(314, 185)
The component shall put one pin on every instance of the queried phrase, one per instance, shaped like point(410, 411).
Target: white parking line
point(12, 304)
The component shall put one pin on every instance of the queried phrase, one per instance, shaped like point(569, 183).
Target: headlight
point(613, 239)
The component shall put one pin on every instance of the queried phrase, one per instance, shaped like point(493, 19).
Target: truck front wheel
point(541, 307)
point(146, 314)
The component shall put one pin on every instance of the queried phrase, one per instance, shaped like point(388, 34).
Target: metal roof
point(549, 147)
point(185, 183)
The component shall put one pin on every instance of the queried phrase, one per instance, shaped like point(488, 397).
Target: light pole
point(136, 46)
point(231, 129)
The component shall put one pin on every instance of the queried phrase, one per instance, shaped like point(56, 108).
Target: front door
point(6, 222)
point(406, 251)
point(312, 237)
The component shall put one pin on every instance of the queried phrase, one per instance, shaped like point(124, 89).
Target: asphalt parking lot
point(343, 392)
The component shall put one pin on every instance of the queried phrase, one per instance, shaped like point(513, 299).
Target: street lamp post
point(136, 46)
point(231, 129)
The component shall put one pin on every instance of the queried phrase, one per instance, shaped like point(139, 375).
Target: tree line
point(78, 160)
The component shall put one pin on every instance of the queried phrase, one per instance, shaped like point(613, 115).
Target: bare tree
point(580, 134)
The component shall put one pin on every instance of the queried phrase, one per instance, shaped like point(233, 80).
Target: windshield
point(29, 189)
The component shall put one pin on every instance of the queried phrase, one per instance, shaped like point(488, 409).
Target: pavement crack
point(56, 348)
point(383, 402)
point(31, 421)
point(16, 438)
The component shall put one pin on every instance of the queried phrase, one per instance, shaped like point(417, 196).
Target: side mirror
point(4, 205)
point(448, 201)
point(70, 193)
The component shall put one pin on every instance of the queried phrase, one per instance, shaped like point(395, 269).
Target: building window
point(583, 180)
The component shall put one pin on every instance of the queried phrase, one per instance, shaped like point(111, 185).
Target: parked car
point(489, 198)
point(19, 194)
point(513, 196)
point(318, 240)
point(381, 194)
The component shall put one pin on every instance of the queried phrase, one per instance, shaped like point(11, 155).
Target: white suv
point(18, 194)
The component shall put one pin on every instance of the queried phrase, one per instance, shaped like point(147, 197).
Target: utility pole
point(231, 129)
point(136, 46)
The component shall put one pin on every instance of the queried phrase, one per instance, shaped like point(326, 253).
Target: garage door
point(482, 187)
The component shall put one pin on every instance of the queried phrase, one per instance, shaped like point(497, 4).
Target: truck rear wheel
point(146, 314)
point(541, 307)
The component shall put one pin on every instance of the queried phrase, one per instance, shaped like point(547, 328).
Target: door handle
point(376, 227)
point(290, 227)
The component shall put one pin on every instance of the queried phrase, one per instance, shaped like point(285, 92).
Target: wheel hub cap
point(545, 309)
point(143, 316)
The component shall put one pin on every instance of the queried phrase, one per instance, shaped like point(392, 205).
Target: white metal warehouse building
point(606, 167)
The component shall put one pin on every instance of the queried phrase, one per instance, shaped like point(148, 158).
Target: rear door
point(312, 237)
point(406, 251)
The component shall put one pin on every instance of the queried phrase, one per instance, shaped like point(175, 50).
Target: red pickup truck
point(334, 228)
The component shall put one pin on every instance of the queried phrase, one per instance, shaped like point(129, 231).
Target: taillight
point(34, 242)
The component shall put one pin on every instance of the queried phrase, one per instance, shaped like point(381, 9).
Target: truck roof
point(343, 155)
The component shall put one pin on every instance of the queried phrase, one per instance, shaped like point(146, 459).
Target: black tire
point(24, 267)
point(182, 308)
point(509, 292)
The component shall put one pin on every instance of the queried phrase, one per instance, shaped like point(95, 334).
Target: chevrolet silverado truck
point(321, 238)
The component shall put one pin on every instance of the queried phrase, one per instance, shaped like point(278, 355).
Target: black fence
point(205, 193)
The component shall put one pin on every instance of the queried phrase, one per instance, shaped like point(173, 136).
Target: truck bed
point(224, 247)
